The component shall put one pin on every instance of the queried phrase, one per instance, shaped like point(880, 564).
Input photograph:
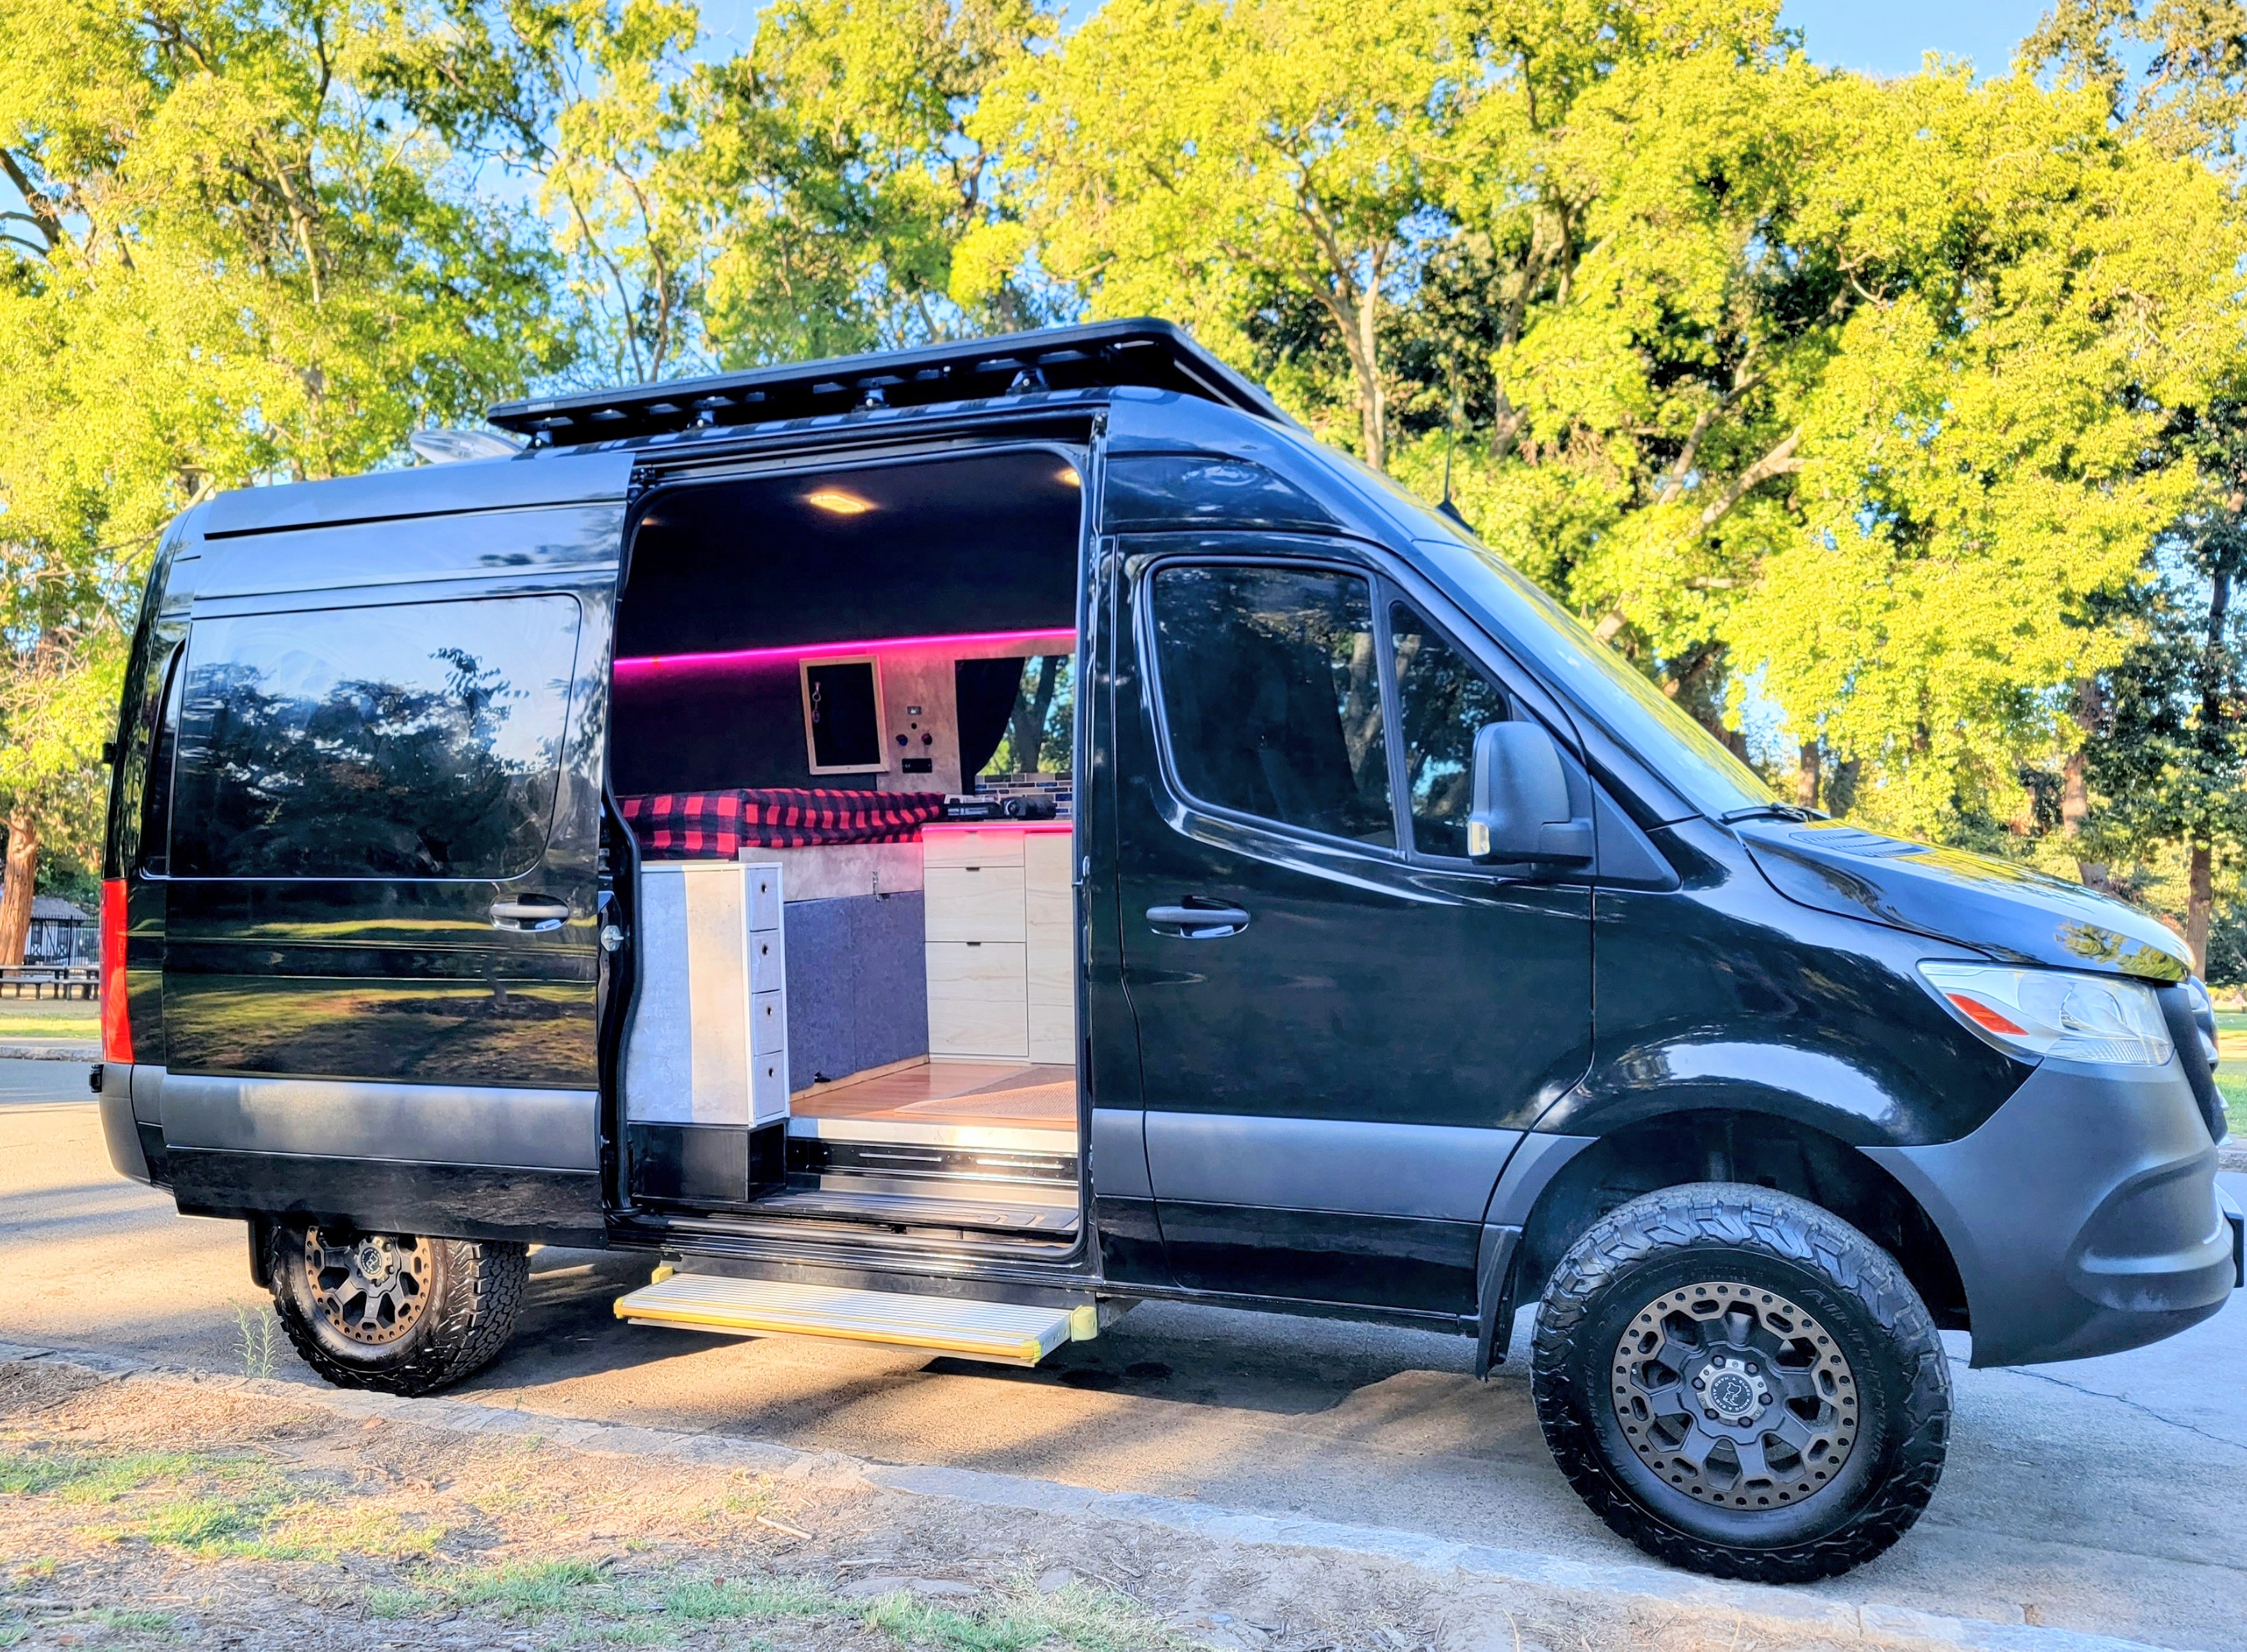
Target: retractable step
point(1004, 1333)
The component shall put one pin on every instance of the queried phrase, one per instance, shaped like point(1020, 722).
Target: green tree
point(232, 257)
point(2167, 752)
point(1213, 161)
point(852, 192)
point(1847, 389)
point(2164, 765)
point(598, 110)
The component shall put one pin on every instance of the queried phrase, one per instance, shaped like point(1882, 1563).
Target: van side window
point(1443, 700)
point(1271, 693)
point(416, 740)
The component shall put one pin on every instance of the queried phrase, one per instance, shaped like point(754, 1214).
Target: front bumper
point(2084, 1214)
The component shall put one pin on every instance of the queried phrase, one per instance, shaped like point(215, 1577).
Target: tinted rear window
point(413, 740)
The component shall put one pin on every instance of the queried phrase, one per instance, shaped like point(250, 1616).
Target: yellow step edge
point(700, 1302)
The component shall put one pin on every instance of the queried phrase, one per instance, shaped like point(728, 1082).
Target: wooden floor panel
point(947, 1092)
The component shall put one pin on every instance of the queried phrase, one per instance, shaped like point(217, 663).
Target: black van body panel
point(537, 541)
point(526, 482)
point(1724, 996)
point(372, 1048)
point(2007, 911)
point(1123, 1198)
point(383, 1196)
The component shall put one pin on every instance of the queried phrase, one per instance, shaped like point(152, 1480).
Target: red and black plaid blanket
point(717, 825)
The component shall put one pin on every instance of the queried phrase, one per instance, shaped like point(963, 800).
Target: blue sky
point(1885, 36)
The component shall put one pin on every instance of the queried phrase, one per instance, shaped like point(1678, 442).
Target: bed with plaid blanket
point(718, 825)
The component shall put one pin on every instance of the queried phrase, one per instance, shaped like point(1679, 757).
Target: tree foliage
point(1888, 424)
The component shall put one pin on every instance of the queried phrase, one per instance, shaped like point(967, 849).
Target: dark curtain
point(987, 691)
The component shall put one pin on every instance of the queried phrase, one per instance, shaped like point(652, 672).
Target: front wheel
point(1741, 1384)
point(402, 1313)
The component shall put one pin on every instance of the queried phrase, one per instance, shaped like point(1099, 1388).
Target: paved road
point(2106, 1496)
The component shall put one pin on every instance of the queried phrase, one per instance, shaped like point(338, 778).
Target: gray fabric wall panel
point(858, 985)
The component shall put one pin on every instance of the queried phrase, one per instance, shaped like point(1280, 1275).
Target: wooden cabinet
point(709, 1044)
point(1000, 916)
point(1050, 953)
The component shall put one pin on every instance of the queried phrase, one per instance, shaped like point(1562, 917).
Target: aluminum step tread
point(1009, 1333)
point(922, 1209)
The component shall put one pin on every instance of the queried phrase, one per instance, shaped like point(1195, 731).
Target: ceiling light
point(835, 500)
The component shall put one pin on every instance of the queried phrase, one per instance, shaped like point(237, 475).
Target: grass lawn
point(2231, 1076)
point(48, 1018)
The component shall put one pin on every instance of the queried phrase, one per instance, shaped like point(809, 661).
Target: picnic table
point(50, 980)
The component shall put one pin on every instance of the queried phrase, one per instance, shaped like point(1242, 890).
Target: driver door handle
point(532, 912)
point(1198, 921)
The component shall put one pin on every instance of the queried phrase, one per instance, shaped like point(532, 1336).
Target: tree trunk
point(2075, 784)
point(1807, 766)
point(16, 893)
point(1029, 730)
point(1372, 404)
point(2200, 903)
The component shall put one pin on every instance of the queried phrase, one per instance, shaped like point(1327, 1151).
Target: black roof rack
point(1145, 352)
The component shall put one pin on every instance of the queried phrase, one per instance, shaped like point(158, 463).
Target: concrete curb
point(1776, 1606)
point(2231, 1157)
point(90, 1054)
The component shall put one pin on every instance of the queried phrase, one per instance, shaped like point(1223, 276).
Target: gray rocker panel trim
point(540, 1130)
point(1439, 1172)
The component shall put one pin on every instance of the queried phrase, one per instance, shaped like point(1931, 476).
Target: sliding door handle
point(1197, 923)
point(533, 913)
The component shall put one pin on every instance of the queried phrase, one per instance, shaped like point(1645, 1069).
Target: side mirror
point(1521, 810)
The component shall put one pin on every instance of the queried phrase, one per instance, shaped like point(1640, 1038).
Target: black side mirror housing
point(1521, 809)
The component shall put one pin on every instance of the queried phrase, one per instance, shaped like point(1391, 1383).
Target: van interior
point(843, 740)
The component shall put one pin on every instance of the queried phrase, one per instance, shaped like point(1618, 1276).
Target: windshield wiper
point(1772, 811)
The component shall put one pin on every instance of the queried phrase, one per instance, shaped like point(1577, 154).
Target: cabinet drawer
point(763, 895)
point(767, 973)
point(973, 903)
point(985, 1032)
point(767, 1024)
point(972, 846)
point(976, 1001)
point(769, 1088)
point(967, 970)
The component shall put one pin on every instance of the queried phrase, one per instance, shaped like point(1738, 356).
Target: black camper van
point(937, 848)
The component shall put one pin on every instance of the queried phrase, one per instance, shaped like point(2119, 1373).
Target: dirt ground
point(167, 1513)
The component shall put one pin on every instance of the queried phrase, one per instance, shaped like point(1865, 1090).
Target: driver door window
point(1271, 694)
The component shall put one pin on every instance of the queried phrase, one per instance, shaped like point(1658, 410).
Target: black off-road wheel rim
point(371, 1289)
point(1734, 1395)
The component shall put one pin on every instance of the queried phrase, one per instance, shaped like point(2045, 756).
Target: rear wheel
point(403, 1313)
point(1742, 1384)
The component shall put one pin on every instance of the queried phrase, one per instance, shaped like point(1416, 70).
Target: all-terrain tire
point(463, 1314)
point(1644, 1258)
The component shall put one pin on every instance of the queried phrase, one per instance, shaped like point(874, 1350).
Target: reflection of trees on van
point(1444, 702)
point(296, 760)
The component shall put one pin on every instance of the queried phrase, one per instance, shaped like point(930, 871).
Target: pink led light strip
point(1058, 642)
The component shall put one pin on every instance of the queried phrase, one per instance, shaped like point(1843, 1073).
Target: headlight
point(2038, 1013)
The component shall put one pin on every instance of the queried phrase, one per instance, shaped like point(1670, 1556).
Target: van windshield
point(1602, 683)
